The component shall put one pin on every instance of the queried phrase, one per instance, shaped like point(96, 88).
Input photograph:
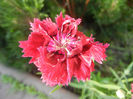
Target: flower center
point(64, 43)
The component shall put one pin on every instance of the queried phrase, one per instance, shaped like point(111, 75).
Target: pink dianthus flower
point(60, 51)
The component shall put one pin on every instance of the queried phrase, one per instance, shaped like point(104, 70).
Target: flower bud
point(120, 93)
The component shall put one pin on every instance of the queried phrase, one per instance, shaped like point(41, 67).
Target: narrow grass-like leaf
point(39, 73)
point(56, 88)
point(119, 79)
point(129, 68)
point(128, 80)
point(76, 85)
point(107, 86)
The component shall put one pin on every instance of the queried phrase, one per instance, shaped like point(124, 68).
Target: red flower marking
point(60, 51)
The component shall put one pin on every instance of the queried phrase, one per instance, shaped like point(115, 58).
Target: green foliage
point(113, 19)
point(107, 11)
point(104, 87)
point(19, 86)
point(93, 89)
point(15, 16)
point(52, 8)
point(18, 13)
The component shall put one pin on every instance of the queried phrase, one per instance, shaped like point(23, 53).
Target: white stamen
point(68, 52)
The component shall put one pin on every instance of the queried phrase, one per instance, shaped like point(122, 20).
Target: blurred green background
point(109, 21)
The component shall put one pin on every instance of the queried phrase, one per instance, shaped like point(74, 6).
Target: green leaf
point(77, 85)
point(115, 74)
point(119, 79)
point(129, 68)
point(98, 91)
point(102, 94)
point(39, 73)
point(83, 92)
point(107, 86)
point(127, 80)
point(56, 88)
